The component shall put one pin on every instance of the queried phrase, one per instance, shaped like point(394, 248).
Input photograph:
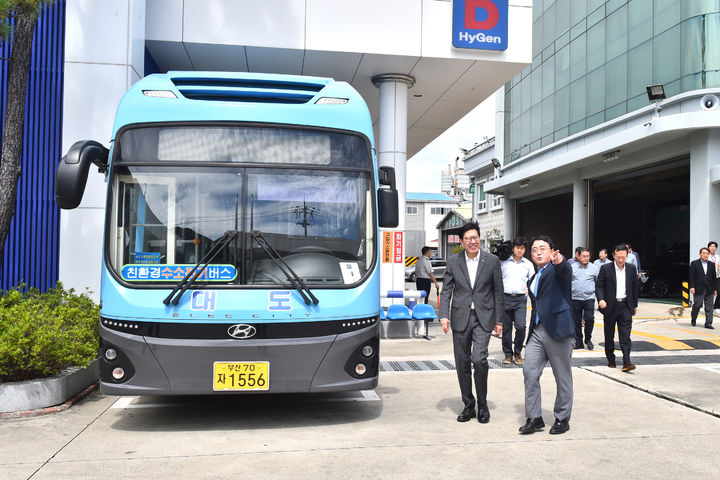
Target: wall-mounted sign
point(392, 251)
point(480, 24)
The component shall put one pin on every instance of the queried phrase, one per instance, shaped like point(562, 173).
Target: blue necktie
point(537, 282)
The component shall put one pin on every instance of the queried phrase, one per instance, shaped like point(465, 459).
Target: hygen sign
point(480, 24)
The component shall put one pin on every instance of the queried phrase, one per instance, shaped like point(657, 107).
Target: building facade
point(487, 208)
point(415, 81)
point(589, 157)
point(423, 211)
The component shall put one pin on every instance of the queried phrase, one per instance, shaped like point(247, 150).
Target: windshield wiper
point(296, 281)
point(187, 281)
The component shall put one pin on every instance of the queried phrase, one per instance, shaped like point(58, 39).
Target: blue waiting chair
point(424, 311)
point(382, 315)
point(399, 312)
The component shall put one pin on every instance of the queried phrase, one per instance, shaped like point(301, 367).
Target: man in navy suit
point(551, 336)
point(703, 287)
point(616, 289)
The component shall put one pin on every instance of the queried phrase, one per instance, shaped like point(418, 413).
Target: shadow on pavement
point(248, 412)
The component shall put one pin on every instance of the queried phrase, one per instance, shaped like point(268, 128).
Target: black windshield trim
point(270, 125)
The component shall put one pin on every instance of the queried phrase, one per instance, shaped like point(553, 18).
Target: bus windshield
point(314, 208)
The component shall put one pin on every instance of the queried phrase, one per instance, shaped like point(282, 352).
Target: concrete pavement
point(659, 421)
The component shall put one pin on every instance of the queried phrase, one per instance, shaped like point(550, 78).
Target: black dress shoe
point(483, 417)
point(692, 323)
point(560, 426)
point(611, 364)
point(710, 327)
point(589, 345)
point(465, 416)
point(532, 425)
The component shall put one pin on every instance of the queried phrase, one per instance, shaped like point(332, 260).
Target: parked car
point(438, 266)
point(666, 275)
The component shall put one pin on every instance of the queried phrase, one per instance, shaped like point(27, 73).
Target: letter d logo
point(471, 10)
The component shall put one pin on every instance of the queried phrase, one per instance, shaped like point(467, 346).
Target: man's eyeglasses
point(471, 239)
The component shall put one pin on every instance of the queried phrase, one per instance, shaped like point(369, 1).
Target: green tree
point(25, 14)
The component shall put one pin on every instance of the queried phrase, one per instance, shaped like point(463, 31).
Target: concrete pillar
point(580, 215)
point(509, 219)
point(704, 195)
point(392, 152)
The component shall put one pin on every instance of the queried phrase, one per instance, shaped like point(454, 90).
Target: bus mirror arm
point(387, 177)
point(72, 172)
point(388, 216)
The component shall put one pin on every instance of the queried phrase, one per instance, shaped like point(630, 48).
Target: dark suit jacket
point(701, 281)
point(554, 301)
point(606, 286)
point(487, 293)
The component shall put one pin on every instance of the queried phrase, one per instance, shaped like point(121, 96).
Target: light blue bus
point(241, 250)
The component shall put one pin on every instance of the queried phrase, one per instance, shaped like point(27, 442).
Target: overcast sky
point(424, 168)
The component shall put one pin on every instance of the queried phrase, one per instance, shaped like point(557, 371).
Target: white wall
point(104, 55)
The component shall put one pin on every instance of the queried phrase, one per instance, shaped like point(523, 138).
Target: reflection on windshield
point(319, 221)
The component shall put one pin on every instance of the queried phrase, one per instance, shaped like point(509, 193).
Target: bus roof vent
point(247, 90)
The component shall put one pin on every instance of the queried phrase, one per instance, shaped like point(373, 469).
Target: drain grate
point(426, 365)
point(416, 366)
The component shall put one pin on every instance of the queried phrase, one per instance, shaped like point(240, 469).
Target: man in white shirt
point(471, 303)
point(424, 273)
point(616, 289)
point(715, 258)
point(517, 271)
point(703, 286)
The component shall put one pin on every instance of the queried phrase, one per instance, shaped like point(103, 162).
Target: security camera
point(709, 102)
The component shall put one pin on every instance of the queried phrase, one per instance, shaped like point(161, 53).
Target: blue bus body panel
point(234, 305)
point(173, 365)
point(136, 107)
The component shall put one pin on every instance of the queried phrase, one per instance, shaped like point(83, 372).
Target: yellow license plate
point(241, 376)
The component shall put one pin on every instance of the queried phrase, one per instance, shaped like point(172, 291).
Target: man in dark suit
point(703, 287)
point(551, 336)
point(616, 290)
point(473, 284)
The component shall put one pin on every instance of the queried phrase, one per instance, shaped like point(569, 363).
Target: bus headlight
point(367, 351)
point(360, 369)
point(118, 373)
point(111, 354)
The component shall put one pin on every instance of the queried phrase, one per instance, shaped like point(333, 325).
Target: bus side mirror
point(72, 172)
point(387, 199)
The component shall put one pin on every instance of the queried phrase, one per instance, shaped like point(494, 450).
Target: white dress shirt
point(516, 275)
point(472, 266)
point(620, 275)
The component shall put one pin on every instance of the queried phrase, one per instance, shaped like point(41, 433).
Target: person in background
point(703, 286)
point(424, 273)
point(634, 259)
point(603, 258)
point(616, 290)
point(584, 275)
point(715, 258)
point(516, 271)
point(575, 258)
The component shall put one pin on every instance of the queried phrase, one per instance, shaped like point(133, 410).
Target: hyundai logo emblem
point(241, 331)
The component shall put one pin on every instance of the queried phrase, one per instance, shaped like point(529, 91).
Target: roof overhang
point(317, 38)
